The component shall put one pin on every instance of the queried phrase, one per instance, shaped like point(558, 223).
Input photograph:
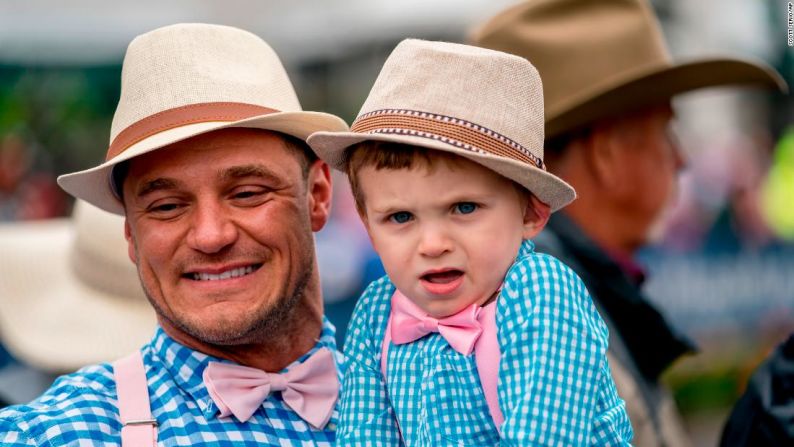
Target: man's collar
point(186, 366)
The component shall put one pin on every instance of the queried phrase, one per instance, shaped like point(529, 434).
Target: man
point(608, 81)
point(208, 163)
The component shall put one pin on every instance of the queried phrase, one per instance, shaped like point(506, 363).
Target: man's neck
point(605, 232)
point(271, 352)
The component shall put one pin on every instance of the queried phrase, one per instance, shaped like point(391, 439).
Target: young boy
point(472, 338)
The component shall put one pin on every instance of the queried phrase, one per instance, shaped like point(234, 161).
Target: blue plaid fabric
point(81, 408)
point(554, 385)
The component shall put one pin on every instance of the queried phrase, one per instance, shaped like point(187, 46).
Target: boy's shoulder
point(81, 401)
point(540, 267)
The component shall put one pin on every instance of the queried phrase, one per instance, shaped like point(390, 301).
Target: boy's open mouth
point(443, 277)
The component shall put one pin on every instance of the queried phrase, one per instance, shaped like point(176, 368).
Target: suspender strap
point(486, 355)
point(138, 426)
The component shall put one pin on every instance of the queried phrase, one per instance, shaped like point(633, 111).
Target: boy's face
point(446, 236)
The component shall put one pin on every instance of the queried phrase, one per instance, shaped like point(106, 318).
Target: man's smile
point(222, 273)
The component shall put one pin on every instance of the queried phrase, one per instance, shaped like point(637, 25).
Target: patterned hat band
point(454, 131)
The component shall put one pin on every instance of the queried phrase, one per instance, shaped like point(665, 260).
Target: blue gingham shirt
point(554, 384)
point(81, 408)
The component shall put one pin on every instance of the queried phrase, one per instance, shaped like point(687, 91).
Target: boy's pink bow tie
point(310, 388)
point(409, 323)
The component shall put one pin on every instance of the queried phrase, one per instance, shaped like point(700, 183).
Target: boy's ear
point(536, 216)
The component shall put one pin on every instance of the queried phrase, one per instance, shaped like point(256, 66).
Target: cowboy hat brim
point(48, 317)
point(649, 86)
point(94, 185)
point(551, 190)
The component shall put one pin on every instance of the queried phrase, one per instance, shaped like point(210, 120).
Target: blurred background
point(722, 271)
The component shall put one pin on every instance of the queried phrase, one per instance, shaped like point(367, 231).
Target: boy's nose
point(434, 241)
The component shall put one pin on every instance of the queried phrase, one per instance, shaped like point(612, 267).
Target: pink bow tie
point(409, 323)
point(310, 388)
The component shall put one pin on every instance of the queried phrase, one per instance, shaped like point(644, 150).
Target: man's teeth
point(234, 273)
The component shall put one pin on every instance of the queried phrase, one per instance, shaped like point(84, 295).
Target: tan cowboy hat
point(480, 104)
point(599, 58)
point(69, 294)
point(185, 80)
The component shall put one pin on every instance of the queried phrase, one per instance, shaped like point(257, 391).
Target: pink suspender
point(486, 355)
point(138, 427)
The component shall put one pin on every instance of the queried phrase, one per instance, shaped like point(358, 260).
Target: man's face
point(647, 162)
point(220, 227)
point(446, 236)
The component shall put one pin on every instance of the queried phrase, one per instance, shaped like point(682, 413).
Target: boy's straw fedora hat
point(69, 294)
point(599, 58)
point(188, 79)
point(480, 104)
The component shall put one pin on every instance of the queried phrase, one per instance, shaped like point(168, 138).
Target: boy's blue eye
point(465, 207)
point(400, 217)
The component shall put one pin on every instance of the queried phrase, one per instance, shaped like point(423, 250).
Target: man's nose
point(434, 240)
point(211, 229)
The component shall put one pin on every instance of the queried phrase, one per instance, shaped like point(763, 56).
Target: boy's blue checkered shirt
point(81, 409)
point(554, 384)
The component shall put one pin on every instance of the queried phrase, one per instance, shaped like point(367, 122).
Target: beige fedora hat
point(184, 80)
point(69, 294)
point(481, 104)
point(599, 58)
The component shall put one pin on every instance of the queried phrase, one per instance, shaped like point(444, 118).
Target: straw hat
point(601, 58)
point(69, 294)
point(480, 104)
point(184, 80)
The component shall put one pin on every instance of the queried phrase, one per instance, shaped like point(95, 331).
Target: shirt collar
point(526, 249)
point(186, 366)
point(628, 265)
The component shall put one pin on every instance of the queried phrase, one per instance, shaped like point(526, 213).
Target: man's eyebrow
point(238, 172)
point(157, 184)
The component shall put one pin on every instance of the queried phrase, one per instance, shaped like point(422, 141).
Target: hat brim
point(94, 185)
point(331, 147)
point(50, 319)
point(656, 85)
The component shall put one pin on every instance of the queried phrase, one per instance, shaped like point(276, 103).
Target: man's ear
point(536, 216)
point(130, 242)
point(319, 191)
point(602, 155)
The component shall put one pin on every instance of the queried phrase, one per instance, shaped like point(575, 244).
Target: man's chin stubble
point(268, 324)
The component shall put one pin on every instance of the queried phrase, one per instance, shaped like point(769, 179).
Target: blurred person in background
point(25, 194)
point(608, 80)
point(208, 163)
point(69, 296)
point(764, 415)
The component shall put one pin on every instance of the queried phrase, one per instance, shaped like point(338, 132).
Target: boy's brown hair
point(387, 155)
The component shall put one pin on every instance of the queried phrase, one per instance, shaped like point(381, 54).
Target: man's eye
point(401, 217)
point(465, 207)
point(164, 207)
point(244, 194)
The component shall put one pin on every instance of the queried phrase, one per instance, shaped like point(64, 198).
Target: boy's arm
point(553, 347)
point(366, 417)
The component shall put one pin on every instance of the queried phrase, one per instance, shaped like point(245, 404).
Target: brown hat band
point(181, 116)
point(457, 132)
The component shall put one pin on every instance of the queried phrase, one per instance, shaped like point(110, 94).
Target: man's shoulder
point(78, 402)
